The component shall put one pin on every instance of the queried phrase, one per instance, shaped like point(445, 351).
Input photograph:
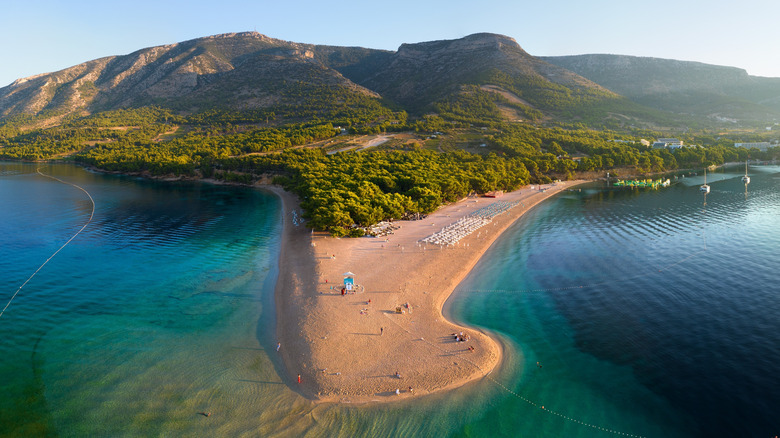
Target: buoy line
point(91, 215)
point(510, 391)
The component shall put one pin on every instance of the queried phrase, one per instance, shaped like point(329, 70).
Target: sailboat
point(705, 188)
point(746, 178)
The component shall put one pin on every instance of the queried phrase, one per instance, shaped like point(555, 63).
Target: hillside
point(482, 77)
point(710, 91)
point(421, 74)
point(232, 71)
point(487, 73)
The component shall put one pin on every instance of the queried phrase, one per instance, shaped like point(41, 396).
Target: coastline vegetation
point(464, 148)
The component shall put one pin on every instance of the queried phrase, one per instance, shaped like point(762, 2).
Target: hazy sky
point(40, 36)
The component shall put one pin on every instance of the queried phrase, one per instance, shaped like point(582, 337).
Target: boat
point(648, 183)
point(746, 178)
point(704, 187)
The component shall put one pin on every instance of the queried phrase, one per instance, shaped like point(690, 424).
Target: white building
point(667, 143)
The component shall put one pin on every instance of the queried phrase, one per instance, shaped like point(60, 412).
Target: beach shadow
point(380, 376)
point(453, 353)
point(366, 334)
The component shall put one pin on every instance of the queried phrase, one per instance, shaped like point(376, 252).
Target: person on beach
point(381, 331)
point(299, 378)
point(278, 346)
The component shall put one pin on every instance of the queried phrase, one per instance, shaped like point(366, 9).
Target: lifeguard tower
point(349, 281)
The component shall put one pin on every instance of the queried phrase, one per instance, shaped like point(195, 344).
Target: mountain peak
point(470, 43)
point(242, 35)
point(492, 38)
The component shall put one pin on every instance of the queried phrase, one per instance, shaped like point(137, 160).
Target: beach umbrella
point(348, 274)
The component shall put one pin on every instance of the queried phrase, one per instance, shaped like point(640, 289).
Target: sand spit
point(356, 347)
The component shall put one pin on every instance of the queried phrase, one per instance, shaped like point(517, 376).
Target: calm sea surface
point(623, 313)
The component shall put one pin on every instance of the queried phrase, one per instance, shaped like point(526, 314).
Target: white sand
point(348, 350)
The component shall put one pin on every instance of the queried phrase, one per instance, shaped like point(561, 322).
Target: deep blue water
point(648, 313)
point(679, 290)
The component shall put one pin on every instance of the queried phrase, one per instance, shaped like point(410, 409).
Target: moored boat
point(704, 187)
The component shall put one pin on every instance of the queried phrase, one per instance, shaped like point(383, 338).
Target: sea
point(622, 312)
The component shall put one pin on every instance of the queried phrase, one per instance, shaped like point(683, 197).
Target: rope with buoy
point(512, 392)
point(91, 215)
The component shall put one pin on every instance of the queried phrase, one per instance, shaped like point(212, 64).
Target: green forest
point(464, 147)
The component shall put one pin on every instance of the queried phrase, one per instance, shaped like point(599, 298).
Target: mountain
point(479, 78)
point(694, 88)
point(251, 71)
point(239, 71)
point(420, 74)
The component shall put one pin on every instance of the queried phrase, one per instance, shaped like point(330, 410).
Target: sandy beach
point(356, 347)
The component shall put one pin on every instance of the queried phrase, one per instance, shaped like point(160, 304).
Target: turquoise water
point(149, 315)
point(650, 313)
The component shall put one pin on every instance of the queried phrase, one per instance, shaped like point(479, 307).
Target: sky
point(41, 36)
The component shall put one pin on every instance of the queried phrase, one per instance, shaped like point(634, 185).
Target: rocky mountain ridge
point(680, 86)
point(248, 70)
point(421, 72)
point(173, 74)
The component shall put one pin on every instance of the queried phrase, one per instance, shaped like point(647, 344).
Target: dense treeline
point(344, 192)
point(182, 156)
point(551, 150)
point(340, 190)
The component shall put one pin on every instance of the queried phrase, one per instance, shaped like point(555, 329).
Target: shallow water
point(649, 313)
point(148, 316)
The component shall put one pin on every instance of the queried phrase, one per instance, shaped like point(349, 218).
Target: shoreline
point(355, 348)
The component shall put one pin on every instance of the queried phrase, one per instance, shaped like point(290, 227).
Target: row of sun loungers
point(451, 234)
point(492, 210)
